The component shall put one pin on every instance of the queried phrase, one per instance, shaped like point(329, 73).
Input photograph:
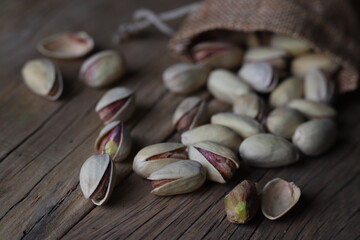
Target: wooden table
point(43, 145)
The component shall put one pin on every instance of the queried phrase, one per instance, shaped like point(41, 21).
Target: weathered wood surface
point(43, 145)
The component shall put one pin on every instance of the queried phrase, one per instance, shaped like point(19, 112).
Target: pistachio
point(213, 133)
point(259, 75)
point(97, 178)
point(185, 77)
point(251, 105)
point(226, 86)
point(43, 78)
point(219, 161)
point(291, 88)
point(284, 121)
point(278, 197)
point(304, 63)
point(102, 69)
point(179, 177)
point(243, 125)
point(318, 86)
point(268, 150)
point(315, 137)
point(114, 140)
point(218, 55)
point(190, 113)
point(291, 45)
point(154, 157)
point(242, 203)
point(116, 104)
point(312, 109)
point(275, 57)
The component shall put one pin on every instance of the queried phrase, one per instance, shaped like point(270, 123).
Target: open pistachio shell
point(66, 45)
point(312, 109)
point(179, 177)
point(304, 63)
point(291, 88)
point(250, 104)
point(278, 197)
point(318, 86)
point(291, 45)
point(43, 78)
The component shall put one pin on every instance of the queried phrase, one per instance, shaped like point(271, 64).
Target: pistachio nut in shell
point(242, 203)
point(250, 105)
point(97, 178)
point(226, 86)
point(185, 78)
point(116, 104)
point(291, 88)
point(304, 63)
point(315, 137)
point(278, 197)
point(284, 121)
point(102, 69)
point(179, 177)
point(219, 161)
point(268, 150)
point(43, 78)
point(318, 86)
point(291, 45)
point(312, 109)
point(243, 125)
point(153, 157)
point(275, 57)
point(190, 113)
point(114, 140)
point(213, 133)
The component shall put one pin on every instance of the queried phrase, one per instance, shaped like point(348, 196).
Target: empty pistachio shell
point(291, 88)
point(268, 150)
point(226, 86)
point(102, 69)
point(185, 77)
point(304, 63)
point(43, 78)
point(291, 45)
point(114, 140)
point(242, 203)
point(66, 45)
point(97, 178)
point(213, 133)
point(273, 56)
point(219, 161)
point(260, 75)
point(156, 156)
point(315, 137)
point(179, 177)
point(284, 121)
point(251, 105)
point(190, 113)
point(116, 104)
point(312, 109)
point(278, 197)
point(243, 125)
point(318, 86)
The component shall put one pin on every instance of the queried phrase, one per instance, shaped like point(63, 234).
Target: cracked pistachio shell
point(190, 113)
point(212, 172)
point(278, 197)
point(318, 86)
point(268, 150)
point(114, 95)
point(144, 167)
point(304, 63)
point(187, 177)
point(43, 78)
point(291, 45)
point(284, 121)
point(122, 149)
point(275, 57)
point(315, 137)
point(185, 78)
point(250, 105)
point(226, 86)
point(213, 133)
point(243, 125)
point(291, 88)
point(312, 109)
point(97, 176)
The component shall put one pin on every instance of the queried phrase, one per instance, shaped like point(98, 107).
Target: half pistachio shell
point(291, 45)
point(312, 109)
point(250, 105)
point(291, 88)
point(156, 156)
point(97, 178)
point(114, 140)
point(66, 45)
point(179, 177)
point(318, 86)
point(116, 104)
point(43, 78)
point(219, 161)
point(278, 197)
point(304, 63)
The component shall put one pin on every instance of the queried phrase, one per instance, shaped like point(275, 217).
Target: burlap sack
point(331, 26)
